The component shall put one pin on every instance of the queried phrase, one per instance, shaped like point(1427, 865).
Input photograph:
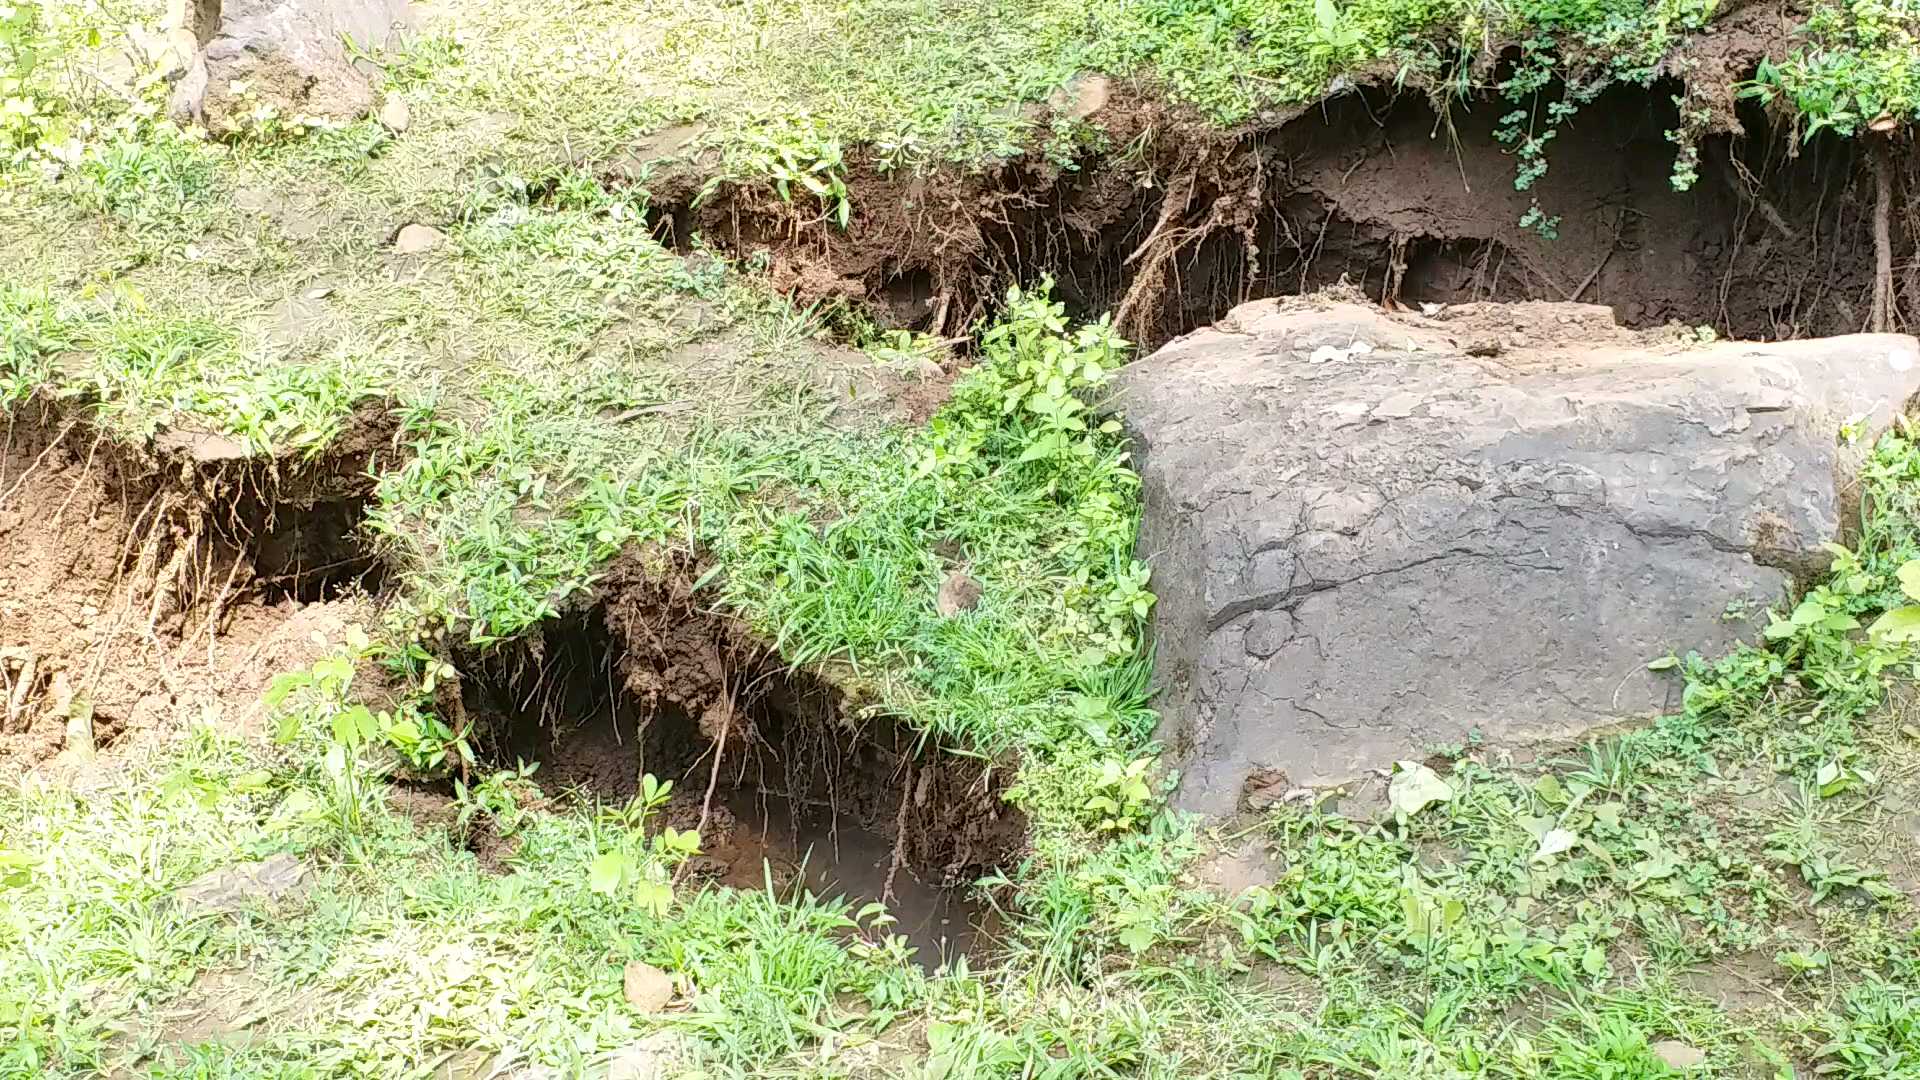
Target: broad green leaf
point(604, 875)
point(654, 897)
point(1909, 575)
point(246, 783)
point(1902, 624)
point(281, 686)
point(1043, 447)
point(1594, 960)
point(1415, 787)
point(1548, 787)
point(1809, 612)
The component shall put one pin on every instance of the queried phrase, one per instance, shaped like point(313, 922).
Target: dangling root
point(53, 444)
point(21, 688)
point(720, 740)
point(172, 586)
point(899, 839)
point(1882, 319)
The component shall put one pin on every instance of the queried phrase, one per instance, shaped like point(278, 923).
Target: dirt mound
point(143, 589)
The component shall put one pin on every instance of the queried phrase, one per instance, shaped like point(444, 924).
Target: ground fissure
point(1173, 223)
point(768, 762)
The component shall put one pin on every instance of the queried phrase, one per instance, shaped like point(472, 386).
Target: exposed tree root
point(1882, 157)
point(1177, 222)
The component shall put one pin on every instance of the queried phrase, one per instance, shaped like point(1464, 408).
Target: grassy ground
point(1735, 880)
point(1731, 879)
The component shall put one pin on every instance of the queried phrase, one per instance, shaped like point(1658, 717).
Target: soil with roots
point(143, 590)
point(147, 589)
point(1410, 201)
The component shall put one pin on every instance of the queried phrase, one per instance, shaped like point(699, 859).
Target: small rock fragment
point(395, 115)
point(1679, 1055)
point(648, 989)
point(957, 594)
point(652, 1058)
point(80, 744)
point(417, 239)
point(1083, 97)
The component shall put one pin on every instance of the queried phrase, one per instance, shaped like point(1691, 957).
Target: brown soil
point(149, 589)
point(650, 681)
point(1177, 223)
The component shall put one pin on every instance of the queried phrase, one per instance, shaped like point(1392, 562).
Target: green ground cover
point(1737, 877)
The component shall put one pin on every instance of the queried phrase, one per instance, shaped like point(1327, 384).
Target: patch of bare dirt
point(141, 592)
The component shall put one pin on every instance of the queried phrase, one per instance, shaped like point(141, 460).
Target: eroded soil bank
point(148, 590)
point(141, 590)
point(1173, 223)
point(788, 784)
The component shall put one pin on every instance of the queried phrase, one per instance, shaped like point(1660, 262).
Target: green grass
point(568, 389)
point(1702, 856)
point(404, 954)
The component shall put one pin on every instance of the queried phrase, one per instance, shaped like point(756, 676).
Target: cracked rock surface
point(1372, 534)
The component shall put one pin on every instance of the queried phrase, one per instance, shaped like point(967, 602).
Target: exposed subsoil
point(145, 589)
point(1175, 222)
point(786, 785)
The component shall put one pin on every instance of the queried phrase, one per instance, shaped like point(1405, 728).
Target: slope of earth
point(620, 477)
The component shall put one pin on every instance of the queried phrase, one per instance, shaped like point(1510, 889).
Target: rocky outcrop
point(287, 56)
point(1374, 534)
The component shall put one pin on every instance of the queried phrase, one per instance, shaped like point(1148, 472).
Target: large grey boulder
point(1372, 534)
point(287, 55)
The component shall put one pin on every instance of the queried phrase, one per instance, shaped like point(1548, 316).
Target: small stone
point(395, 114)
point(1679, 1055)
point(648, 989)
point(1087, 96)
point(652, 1058)
point(957, 594)
point(230, 888)
point(417, 239)
point(80, 744)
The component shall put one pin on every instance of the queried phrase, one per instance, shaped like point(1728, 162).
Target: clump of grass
point(138, 370)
